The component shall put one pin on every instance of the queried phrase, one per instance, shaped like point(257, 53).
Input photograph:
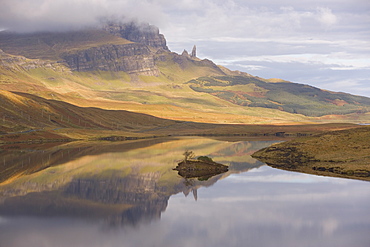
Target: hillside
point(29, 118)
point(28, 114)
point(52, 46)
point(163, 96)
point(129, 67)
point(289, 97)
point(342, 153)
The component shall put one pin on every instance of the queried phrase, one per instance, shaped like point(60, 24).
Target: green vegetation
point(289, 97)
point(205, 159)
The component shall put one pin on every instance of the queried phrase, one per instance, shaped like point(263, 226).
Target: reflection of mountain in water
point(123, 187)
point(22, 159)
point(139, 191)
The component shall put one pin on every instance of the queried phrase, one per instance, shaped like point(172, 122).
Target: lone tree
point(188, 155)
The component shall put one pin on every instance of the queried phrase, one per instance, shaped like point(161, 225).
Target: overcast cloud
point(323, 43)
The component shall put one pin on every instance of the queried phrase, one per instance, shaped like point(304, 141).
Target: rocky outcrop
point(142, 33)
point(194, 52)
point(22, 63)
point(185, 53)
point(186, 61)
point(130, 58)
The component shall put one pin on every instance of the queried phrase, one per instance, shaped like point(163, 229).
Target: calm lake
point(127, 194)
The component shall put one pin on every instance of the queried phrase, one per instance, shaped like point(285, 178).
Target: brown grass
point(344, 153)
point(25, 117)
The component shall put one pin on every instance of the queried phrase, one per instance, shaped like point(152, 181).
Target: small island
point(202, 168)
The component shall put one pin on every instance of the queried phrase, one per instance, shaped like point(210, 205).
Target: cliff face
point(134, 58)
point(142, 33)
point(134, 48)
point(130, 58)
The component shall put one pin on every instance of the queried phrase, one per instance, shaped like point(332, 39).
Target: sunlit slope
point(26, 117)
point(289, 97)
point(22, 112)
point(183, 88)
point(158, 96)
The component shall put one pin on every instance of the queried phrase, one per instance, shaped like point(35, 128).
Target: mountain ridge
point(134, 70)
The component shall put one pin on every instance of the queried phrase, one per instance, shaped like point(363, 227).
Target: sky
point(322, 43)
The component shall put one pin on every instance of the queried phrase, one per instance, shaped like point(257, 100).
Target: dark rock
point(130, 58)
point(194, 52)
point(142, 33)
point(185, 53)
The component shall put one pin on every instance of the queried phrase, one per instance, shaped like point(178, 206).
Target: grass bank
point(344, 153)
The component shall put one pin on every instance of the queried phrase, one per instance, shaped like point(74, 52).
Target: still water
point(126, 194)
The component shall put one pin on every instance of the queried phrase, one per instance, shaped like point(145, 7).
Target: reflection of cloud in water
point(265, 207)
point(279, 214)
point(291, 177)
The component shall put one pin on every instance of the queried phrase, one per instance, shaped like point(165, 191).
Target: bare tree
point(188, 155)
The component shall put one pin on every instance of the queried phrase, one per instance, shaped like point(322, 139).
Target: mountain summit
point(134, 48)
point(142, 33)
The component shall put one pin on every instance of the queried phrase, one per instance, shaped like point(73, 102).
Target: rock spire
point(194, 52)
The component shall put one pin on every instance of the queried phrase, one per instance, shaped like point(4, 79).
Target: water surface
point(126, 194)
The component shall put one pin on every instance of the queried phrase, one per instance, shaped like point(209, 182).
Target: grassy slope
point(51, 45)
point(21, 112)
point(342, 153)
point(156, 96)
point(289, 97)
point(28, 117)
point(166, 96)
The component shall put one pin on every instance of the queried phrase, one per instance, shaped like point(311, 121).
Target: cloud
point(50, 15)
point(326, 17)
point(336, 61)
